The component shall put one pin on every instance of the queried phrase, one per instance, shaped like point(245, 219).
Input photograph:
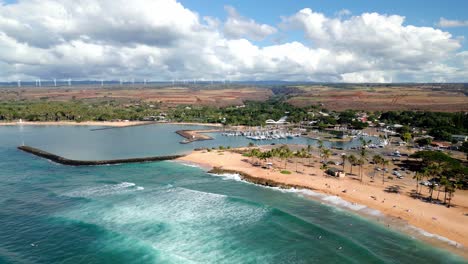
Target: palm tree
point(352, 160)
point(376, 159)
point(326, 153)
point(384, 164)
point(445, 183)
point(253, 153)
point(264, 155)
point(433, 170)
point(285, 153)
point(362, 160)
point(431, 187)
point(309, 153)
point(418, 177)
point(451, 190)
point(296, 156)
point(320, 147)
point(343, 160)
point(304, 155)
point(363, 142)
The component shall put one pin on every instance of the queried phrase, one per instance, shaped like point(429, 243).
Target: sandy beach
point(449, 225)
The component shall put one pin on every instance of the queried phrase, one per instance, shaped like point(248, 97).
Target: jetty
point(71, 162)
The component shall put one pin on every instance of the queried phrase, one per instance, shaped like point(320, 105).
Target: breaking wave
point(107, 189)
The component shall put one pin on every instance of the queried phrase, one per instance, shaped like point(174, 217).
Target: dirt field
point(383, 98)
point(167, 96)
point(445, 98)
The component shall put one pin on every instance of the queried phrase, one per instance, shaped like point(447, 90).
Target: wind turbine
point(19, 83)
point(102, 83)
point(55, 82)
point(69, 82)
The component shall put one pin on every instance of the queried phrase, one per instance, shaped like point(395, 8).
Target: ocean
point(168, 212)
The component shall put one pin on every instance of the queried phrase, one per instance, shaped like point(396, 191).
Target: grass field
point(382, 98)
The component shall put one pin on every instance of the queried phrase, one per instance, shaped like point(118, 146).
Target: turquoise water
point(165, 212)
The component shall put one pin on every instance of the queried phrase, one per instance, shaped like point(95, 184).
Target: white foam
point(327, 199)
point(125, 185)
point(339, 202)
point(103, 190)
point(187, 164)
point(435, 236)
point(229, 176)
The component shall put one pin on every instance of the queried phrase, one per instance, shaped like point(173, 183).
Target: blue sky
point(296, 40)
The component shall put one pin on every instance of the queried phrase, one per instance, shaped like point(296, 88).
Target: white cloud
point(163, 40)
point(447, 23)
point(237, 27)
point(380, 42)
point(343, 12)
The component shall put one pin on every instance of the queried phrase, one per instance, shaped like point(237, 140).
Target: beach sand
point(450, 223)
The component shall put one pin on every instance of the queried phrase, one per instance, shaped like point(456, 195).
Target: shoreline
point(426, 222)
point(102, 123)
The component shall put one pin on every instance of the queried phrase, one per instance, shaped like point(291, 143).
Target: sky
point(240, 40)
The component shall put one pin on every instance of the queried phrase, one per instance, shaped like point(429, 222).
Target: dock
point(71, 162)
point(195, 135)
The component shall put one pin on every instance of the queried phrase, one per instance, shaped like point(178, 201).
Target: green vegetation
point(73, 111)
point(443, 173)
point(285, 172)
point(439, 125)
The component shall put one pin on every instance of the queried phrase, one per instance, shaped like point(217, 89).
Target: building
point(281, 121)
point(461, 138)
point(441, 144)
point(335, 172)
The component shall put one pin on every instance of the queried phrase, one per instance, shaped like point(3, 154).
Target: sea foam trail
point(340, 203)
point(108, 189)
point(186, 163)
point(327, 199)
point(434, 236)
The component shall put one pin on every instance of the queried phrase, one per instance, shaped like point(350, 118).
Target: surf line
point(71, 162)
